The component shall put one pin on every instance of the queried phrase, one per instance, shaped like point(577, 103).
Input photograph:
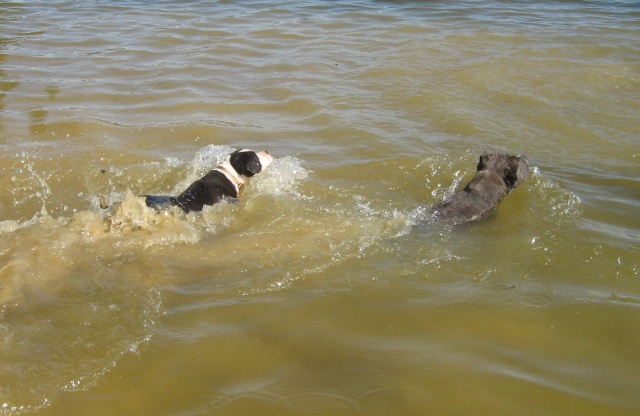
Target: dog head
point(248, 163)
point(511, 169)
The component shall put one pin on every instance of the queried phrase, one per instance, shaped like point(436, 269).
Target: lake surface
point(328, 289)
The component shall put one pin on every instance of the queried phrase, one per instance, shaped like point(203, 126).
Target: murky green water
point(327, 289)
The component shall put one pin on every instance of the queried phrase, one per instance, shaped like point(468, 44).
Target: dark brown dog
point(498, 174)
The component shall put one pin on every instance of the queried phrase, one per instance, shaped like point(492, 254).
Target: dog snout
point(524, 162)
point(523, 169)
point(265, 158)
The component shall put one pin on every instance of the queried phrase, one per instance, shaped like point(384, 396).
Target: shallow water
point(327, 289)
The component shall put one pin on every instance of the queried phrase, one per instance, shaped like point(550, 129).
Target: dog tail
point(159, 202)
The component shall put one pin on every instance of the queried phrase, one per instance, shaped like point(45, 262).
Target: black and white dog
point(225, 181)
point(496, 176)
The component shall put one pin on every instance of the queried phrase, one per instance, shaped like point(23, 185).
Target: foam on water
point(204, 160)
point(127, 212)
point(324, 227)
point(564, 203)
point(281, 177)
point(43, 277)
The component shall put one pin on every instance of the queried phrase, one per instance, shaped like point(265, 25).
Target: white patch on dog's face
point(265, 159)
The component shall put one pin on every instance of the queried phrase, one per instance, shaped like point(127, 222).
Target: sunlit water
point(327, 289)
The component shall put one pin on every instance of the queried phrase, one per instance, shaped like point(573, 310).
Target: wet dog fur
point(223, 182)
point(496, 176)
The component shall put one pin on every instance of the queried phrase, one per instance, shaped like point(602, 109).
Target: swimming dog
point(223, 182)
point(496, 176)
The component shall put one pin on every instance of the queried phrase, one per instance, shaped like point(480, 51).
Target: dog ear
point(482, 162)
